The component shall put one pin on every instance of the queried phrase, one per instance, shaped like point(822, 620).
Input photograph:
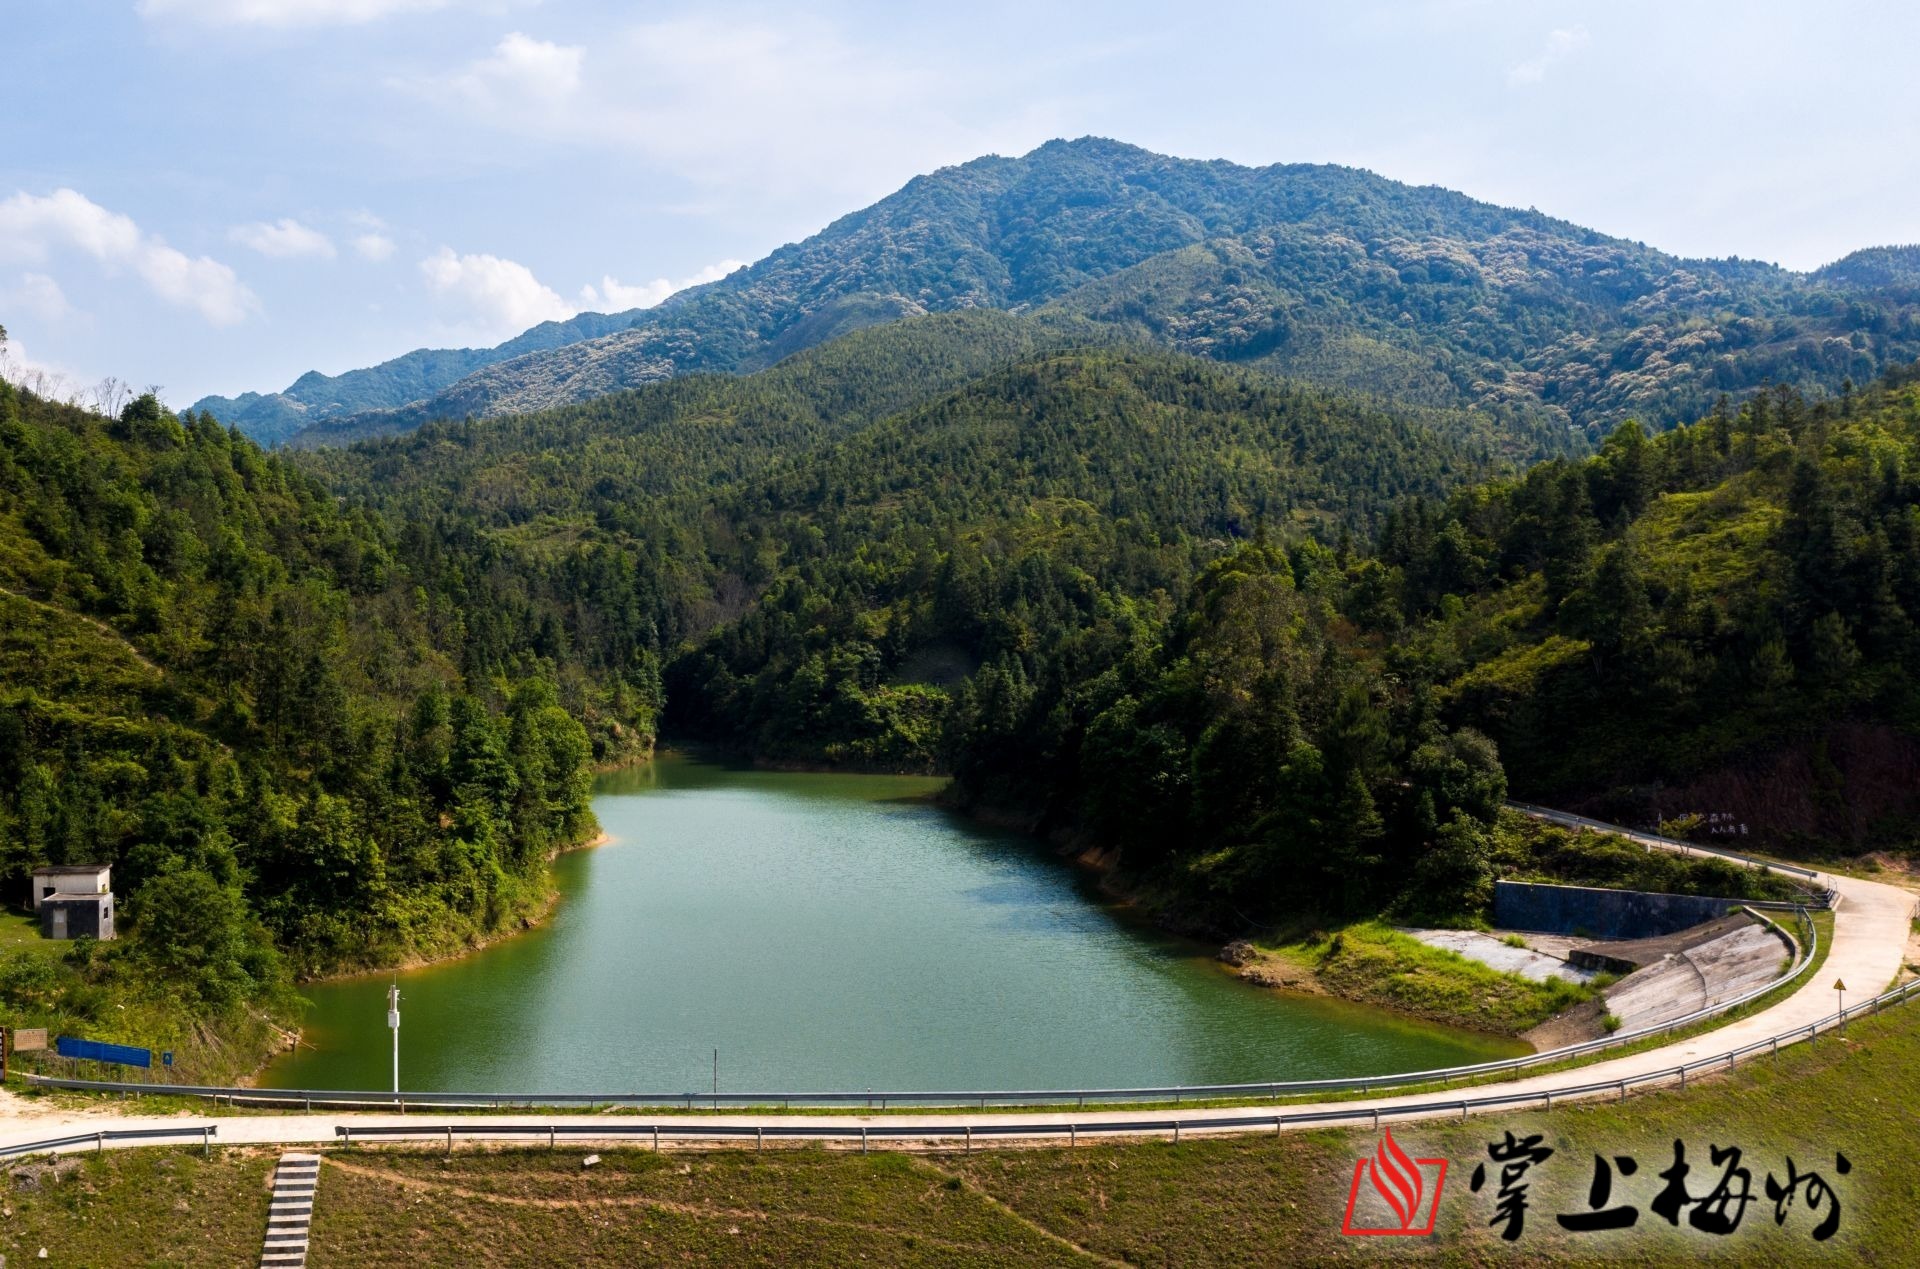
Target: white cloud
point(614, 296)
point(31, 226)
point(496, 298)
point(38, 296)
point(1560, 45)
point(373, 246)
point(779, 103)
point(521, 74)
point(283, 238)
point(283, 13)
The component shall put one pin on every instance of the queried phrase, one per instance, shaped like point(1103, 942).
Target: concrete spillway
point(1696, 974)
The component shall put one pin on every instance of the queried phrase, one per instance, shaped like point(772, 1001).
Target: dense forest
point(815, 565)
point(219, 683)
point(1266, 648)
point(1713, 629)
point(1720, 622)
point(1269, 647)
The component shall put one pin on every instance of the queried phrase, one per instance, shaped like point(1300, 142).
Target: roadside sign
point(29, 1039)
point(101, 1051)
point(1839, 984)
point(166, 1059)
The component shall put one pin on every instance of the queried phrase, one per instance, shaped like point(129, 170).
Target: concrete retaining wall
point(1600, 914)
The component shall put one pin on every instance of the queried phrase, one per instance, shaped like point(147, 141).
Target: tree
point(1615, 613)
point(1832, 653)
point(1570, 535)
point(1625, 475)
point(1454, 875)
point(1456, 772)
point(196, 936)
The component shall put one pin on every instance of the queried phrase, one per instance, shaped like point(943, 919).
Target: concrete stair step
point(290, 1211)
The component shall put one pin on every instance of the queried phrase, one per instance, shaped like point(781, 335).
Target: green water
point(832, 932)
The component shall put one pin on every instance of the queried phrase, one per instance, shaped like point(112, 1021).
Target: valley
point(1266, 621)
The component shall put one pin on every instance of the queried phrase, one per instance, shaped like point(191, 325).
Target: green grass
point(20, 932)
point(1251, 1200)
point(1527, 849)
point(1712, 539)
point(137, 1207)
point(1375, 964)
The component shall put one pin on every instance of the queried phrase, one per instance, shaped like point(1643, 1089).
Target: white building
point(73, 900)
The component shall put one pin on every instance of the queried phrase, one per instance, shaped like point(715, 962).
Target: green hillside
point(314, 398)
point(1126, 597)
point(1716, 622)
point(216, 681)
point(1276, 652)
point(968, 581)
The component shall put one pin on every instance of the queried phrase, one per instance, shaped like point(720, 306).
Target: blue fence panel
point(101, 1051)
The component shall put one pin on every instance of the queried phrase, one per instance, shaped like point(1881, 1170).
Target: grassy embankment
point(1371, 963)
point(1239, 1201)
point(1374, 964)
point(40, 979)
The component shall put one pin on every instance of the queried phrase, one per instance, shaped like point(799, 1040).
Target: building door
point(59, 921)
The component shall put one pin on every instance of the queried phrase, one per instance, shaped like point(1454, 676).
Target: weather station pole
point(393, 1024)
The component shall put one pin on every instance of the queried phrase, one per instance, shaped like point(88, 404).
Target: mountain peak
point(1316, 270)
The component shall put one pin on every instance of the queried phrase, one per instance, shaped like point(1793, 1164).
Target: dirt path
point(699, 1211)
point(95, 622)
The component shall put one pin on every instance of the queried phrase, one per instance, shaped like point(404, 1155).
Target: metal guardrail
point(204, 1133)
point(1269, 1090)
point(967, 1131)
point(1568, 817)
point(1072, 1130)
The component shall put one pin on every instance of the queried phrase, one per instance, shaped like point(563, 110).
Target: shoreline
point(1099, 864)
point(1136, 900)
point(528, 922)
point(1139, 901)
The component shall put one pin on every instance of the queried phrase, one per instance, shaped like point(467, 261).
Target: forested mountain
point(337, 709)
point(1047, 581)
point(1891, 268)
point(1722, 622)
point(1271, 648)
point(872, 555)
point(974, 453)
point(1715, 628)
point(219, 683)
point(313, 398)
point(1419, 295)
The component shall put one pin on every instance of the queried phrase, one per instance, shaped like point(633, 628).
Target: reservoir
point(832, 932)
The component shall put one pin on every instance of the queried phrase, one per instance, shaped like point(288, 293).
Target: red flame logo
point(1397, 1179)
point(1402, 1184)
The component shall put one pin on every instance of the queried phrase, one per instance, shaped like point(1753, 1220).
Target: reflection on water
point(833, 932)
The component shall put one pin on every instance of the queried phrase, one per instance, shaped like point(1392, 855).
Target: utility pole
point(393, 1024)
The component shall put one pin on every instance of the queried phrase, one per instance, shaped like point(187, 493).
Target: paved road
point(1871, 925)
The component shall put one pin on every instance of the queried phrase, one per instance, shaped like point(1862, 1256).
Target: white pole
point(393, 1024)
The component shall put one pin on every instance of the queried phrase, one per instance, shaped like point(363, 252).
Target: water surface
point(833, 932)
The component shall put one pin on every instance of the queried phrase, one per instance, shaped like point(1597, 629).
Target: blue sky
point(217, 195)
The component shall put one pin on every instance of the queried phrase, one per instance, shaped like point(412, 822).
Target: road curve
point(1870, 929)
